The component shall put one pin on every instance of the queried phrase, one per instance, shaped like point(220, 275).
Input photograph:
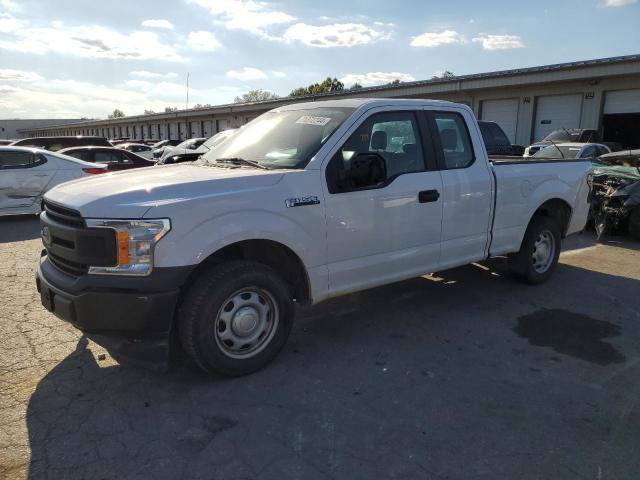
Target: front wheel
point(236, 318)
point(538, 256)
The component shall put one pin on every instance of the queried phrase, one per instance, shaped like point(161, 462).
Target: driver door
point(23, 178)
point(389, 230)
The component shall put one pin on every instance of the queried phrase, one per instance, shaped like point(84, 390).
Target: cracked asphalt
point(462, 375)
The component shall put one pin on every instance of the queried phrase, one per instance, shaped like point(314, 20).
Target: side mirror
point(367, 170)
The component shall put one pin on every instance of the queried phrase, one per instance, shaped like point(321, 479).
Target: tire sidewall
point(527, 270)
point(210, 353)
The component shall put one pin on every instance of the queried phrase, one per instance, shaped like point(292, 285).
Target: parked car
point(158, 148)
point(307, 202)
point(191, 155)
point(615, 206)
point(6, 142)
point(565, 135)
point(572, 150)
point(184, 147)
point(27, 173)
point(53, 144)
point(114, 158)
point(496, 141)
point(145, 151)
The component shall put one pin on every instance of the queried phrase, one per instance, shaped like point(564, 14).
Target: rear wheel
point(236, 318)
point(538, 255)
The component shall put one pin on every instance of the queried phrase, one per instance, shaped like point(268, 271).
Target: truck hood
point(130, 194)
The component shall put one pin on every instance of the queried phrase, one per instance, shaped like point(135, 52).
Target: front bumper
point(131, 317)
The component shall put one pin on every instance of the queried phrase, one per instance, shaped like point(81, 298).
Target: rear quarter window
point(455, 142)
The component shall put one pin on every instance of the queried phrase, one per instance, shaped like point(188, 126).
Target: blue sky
point(65, 58)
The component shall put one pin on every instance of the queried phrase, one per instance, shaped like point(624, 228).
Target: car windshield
point(563, 136)
point(218, 138)
point(191, 144)
point(281, 139)
point(557, 151)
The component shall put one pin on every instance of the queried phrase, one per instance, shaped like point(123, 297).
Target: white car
point(27, 173)
point(571, 150)
point(307, 202)
point(145, 151)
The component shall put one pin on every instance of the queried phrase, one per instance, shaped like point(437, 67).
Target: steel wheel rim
point(246, 322)
point(544, 250)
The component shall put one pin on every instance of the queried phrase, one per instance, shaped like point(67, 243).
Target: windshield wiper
point(241, 161)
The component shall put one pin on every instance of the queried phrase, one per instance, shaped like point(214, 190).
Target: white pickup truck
point(307, 202)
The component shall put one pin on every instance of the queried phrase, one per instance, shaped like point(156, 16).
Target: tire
point(532, 264)
point(236, 318)
point(634, 223)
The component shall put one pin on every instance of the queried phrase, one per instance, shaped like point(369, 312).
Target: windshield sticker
point(311, 120)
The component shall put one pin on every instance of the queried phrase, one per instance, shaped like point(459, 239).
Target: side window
point(13, 160)
point(391, 138)
point(454, 140)
point(106, 157)
point(588, 152)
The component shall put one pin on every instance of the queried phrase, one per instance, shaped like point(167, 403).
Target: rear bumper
point(131, 317)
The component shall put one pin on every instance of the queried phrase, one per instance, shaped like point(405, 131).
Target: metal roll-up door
point(504, 113)
point(554, 112)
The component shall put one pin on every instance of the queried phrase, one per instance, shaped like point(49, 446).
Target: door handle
point(427, 196)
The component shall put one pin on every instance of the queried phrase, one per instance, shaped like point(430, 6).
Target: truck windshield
point(281, 139)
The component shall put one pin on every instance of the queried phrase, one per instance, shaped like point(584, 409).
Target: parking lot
point(465, 374)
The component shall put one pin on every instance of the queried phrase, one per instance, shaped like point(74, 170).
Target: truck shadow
point(446, 347)
point(17, 228)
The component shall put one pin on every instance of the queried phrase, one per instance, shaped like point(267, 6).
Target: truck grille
point(63, 215)
point(71, 245)
point(67, 266)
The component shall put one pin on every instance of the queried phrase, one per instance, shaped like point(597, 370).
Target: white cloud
point(277, 74)
point(252, 16)
point(375, 78)
point(247, 74)
point(336, 35)
point(90, 41)
point(157, 23)
point(147, 74)
point(499, 42)
point(9, 75)
point(9, 24)
point(203, 41)
point(11, 6)
point(619, 3)
point(434, 39)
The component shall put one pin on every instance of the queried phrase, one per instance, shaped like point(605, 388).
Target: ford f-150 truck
point(307, 202)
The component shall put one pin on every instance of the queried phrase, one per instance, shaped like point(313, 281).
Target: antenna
point(187, 105)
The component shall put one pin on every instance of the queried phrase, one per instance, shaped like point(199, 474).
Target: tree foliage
point(256, 96)
point(199, 106)
point(356, 86)
point(445, 74)
point(148, 112)
point(328, 85)
point(117, 113)
point(170, 109)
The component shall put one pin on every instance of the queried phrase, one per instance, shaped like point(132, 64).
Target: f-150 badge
point(301, 201)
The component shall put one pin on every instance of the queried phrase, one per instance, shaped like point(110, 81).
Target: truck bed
point(510, 160)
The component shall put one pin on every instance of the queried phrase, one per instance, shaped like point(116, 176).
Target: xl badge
point(46, 235)
point(302, 201)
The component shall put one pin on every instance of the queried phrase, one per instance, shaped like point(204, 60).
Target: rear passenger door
point(390, 230)
point(23, 177)
point(467, 184)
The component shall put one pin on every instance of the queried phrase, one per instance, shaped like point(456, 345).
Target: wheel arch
point(558, 209)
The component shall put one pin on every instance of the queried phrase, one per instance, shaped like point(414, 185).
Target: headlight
point(135, 241)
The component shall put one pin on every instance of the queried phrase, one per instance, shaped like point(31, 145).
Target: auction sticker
point(311, 120)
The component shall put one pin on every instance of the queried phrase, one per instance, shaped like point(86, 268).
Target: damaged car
point(615, 204)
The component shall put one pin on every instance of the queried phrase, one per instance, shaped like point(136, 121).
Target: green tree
point(356, 86)
point(445, 74)
point(170, 109)
point(328, 85)
point(256, 96)
point(117, 113)
point(149, 112)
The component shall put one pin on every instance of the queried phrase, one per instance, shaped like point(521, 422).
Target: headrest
point(411, 148)
point(379, 140)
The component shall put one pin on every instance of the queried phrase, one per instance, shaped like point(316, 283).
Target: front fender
point(196, 244)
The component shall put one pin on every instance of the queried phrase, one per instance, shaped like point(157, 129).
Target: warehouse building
point(528, 103)
point(11, 127)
